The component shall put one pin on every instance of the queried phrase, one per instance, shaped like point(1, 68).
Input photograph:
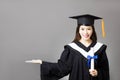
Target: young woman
point(83, 59)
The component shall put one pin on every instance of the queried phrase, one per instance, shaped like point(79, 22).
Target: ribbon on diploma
point(91, 57)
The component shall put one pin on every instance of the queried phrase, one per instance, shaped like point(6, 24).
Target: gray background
point(39, 29)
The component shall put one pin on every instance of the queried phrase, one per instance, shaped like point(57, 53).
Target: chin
point(86, 39)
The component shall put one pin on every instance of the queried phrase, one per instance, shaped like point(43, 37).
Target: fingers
point(28, 61)
point(93, 73)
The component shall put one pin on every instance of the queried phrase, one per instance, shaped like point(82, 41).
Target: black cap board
point(86, 19)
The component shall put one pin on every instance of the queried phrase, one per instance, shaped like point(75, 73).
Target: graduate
point(83, 59)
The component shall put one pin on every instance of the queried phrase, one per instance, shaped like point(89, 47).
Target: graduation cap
point(88, 19)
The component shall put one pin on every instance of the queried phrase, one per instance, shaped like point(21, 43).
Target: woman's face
point(85, 32)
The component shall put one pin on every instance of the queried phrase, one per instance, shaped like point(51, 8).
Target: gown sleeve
point(103, 65)
point(55, 71)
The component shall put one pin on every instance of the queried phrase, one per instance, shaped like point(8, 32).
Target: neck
point(86, 42)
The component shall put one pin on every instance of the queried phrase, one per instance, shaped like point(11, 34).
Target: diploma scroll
point(92, 59)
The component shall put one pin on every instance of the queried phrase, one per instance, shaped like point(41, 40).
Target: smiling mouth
point(85, 36)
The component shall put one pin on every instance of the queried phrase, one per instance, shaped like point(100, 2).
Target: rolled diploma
point(92, 60)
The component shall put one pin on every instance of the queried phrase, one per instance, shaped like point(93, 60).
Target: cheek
point(90, 33)
point(80, 32)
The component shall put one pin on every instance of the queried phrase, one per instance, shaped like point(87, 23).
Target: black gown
point(75, 64)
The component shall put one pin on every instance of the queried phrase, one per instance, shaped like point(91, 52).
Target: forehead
point(84, 26)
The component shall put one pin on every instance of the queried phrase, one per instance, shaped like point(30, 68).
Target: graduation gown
point(74, 63)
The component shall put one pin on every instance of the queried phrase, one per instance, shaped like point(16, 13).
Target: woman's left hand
point(93, 73)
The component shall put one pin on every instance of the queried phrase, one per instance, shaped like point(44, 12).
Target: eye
point(82, 28)
point(89, 29)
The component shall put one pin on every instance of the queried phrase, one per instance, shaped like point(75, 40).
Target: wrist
point(40, 61)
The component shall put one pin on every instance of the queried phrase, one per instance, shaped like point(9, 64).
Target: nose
point(85, 31)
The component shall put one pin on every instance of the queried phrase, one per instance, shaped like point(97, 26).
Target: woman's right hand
point(93, 73)
point(36, 61)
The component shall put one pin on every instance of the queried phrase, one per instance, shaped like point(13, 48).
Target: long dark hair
point(78, 37)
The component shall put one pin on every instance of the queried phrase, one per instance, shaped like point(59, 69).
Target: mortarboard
point(88, 19)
